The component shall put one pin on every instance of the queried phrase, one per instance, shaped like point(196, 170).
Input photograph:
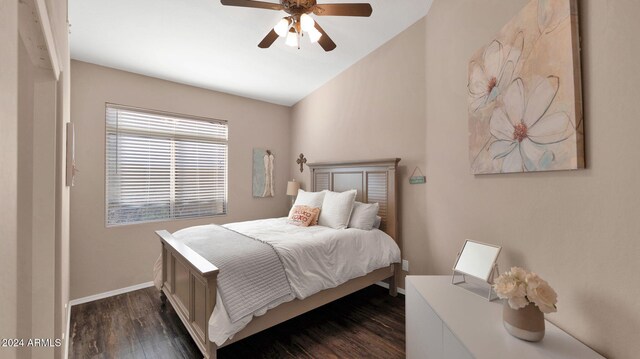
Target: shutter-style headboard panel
point(374, 180)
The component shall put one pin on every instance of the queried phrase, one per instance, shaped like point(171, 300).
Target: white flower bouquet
point(520, 288)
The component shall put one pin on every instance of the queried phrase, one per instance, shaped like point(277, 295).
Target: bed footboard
point(189, 282)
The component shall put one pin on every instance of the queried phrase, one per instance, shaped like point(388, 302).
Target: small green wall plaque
point(413, 179)
point(418, 180)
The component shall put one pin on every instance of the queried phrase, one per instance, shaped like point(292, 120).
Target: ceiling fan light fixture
point(307, 23)
point(300, 21)
point(282, 27)
point(292, 39)
point(314, 35)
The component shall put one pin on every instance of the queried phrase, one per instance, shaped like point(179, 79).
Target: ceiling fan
point(299, 22)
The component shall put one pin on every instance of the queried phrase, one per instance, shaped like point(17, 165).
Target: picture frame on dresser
point(478, 260)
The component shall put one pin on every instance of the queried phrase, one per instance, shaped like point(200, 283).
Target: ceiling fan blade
point(268, 40)
point(251, 3)
point(325, 41)
point(343, 10)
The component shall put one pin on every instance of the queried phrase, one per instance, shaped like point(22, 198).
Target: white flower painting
point(523, 129)
point(525, 101)
point(493, 74)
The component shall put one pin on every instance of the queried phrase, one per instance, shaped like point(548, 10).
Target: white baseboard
point(108, 294)
point(386, 285)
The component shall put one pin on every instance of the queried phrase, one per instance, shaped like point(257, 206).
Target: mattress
point(315, 258)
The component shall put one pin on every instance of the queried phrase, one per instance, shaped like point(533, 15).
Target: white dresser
point(447, 321)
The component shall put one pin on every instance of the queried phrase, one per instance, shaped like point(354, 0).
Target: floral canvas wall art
point(525, 99)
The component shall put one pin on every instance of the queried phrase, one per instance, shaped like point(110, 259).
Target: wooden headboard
point(375, 181)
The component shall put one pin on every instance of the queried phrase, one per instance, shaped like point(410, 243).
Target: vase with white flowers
point(528, 297)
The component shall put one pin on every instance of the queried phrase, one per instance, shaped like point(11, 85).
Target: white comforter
point(315, 258)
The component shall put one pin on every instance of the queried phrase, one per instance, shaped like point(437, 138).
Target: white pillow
point(378, 222)
point(311, 199)
point(336, 209)
point(364, 215)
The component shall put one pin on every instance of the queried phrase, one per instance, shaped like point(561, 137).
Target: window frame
point(110, 105)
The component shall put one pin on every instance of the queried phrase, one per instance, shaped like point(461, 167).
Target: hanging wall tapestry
point(263, 185)
point(525, 98)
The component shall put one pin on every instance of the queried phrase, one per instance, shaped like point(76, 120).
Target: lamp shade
point(314, 35)
point(282, 27)
point(292, 188)
point(306, 22)
point(292, 38)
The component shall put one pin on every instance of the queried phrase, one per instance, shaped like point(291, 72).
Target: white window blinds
point(163, 166)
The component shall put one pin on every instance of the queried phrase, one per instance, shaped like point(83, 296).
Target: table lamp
point(292, 190)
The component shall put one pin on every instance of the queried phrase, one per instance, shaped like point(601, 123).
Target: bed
point(190, 282)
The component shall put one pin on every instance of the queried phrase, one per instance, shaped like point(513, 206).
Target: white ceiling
point(205, 44)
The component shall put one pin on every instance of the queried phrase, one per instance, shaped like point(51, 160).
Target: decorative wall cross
point(301, 161)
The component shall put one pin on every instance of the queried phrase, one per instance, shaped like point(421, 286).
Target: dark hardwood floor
point(366, 324)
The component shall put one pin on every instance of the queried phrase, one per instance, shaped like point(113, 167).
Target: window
point(163, 166)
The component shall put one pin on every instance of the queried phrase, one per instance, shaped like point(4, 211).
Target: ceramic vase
point(525, 323)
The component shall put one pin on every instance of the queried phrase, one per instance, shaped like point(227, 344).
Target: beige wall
point(579, 230)
point(104, 259)
point(48, 134)
point(9, 172)
point(60, 29)
point(374, 110)
point(36, 203)
point(29, 304)
point(25, 193)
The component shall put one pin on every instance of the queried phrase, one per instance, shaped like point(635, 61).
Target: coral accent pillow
point(304, 216)
point(314, 221)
